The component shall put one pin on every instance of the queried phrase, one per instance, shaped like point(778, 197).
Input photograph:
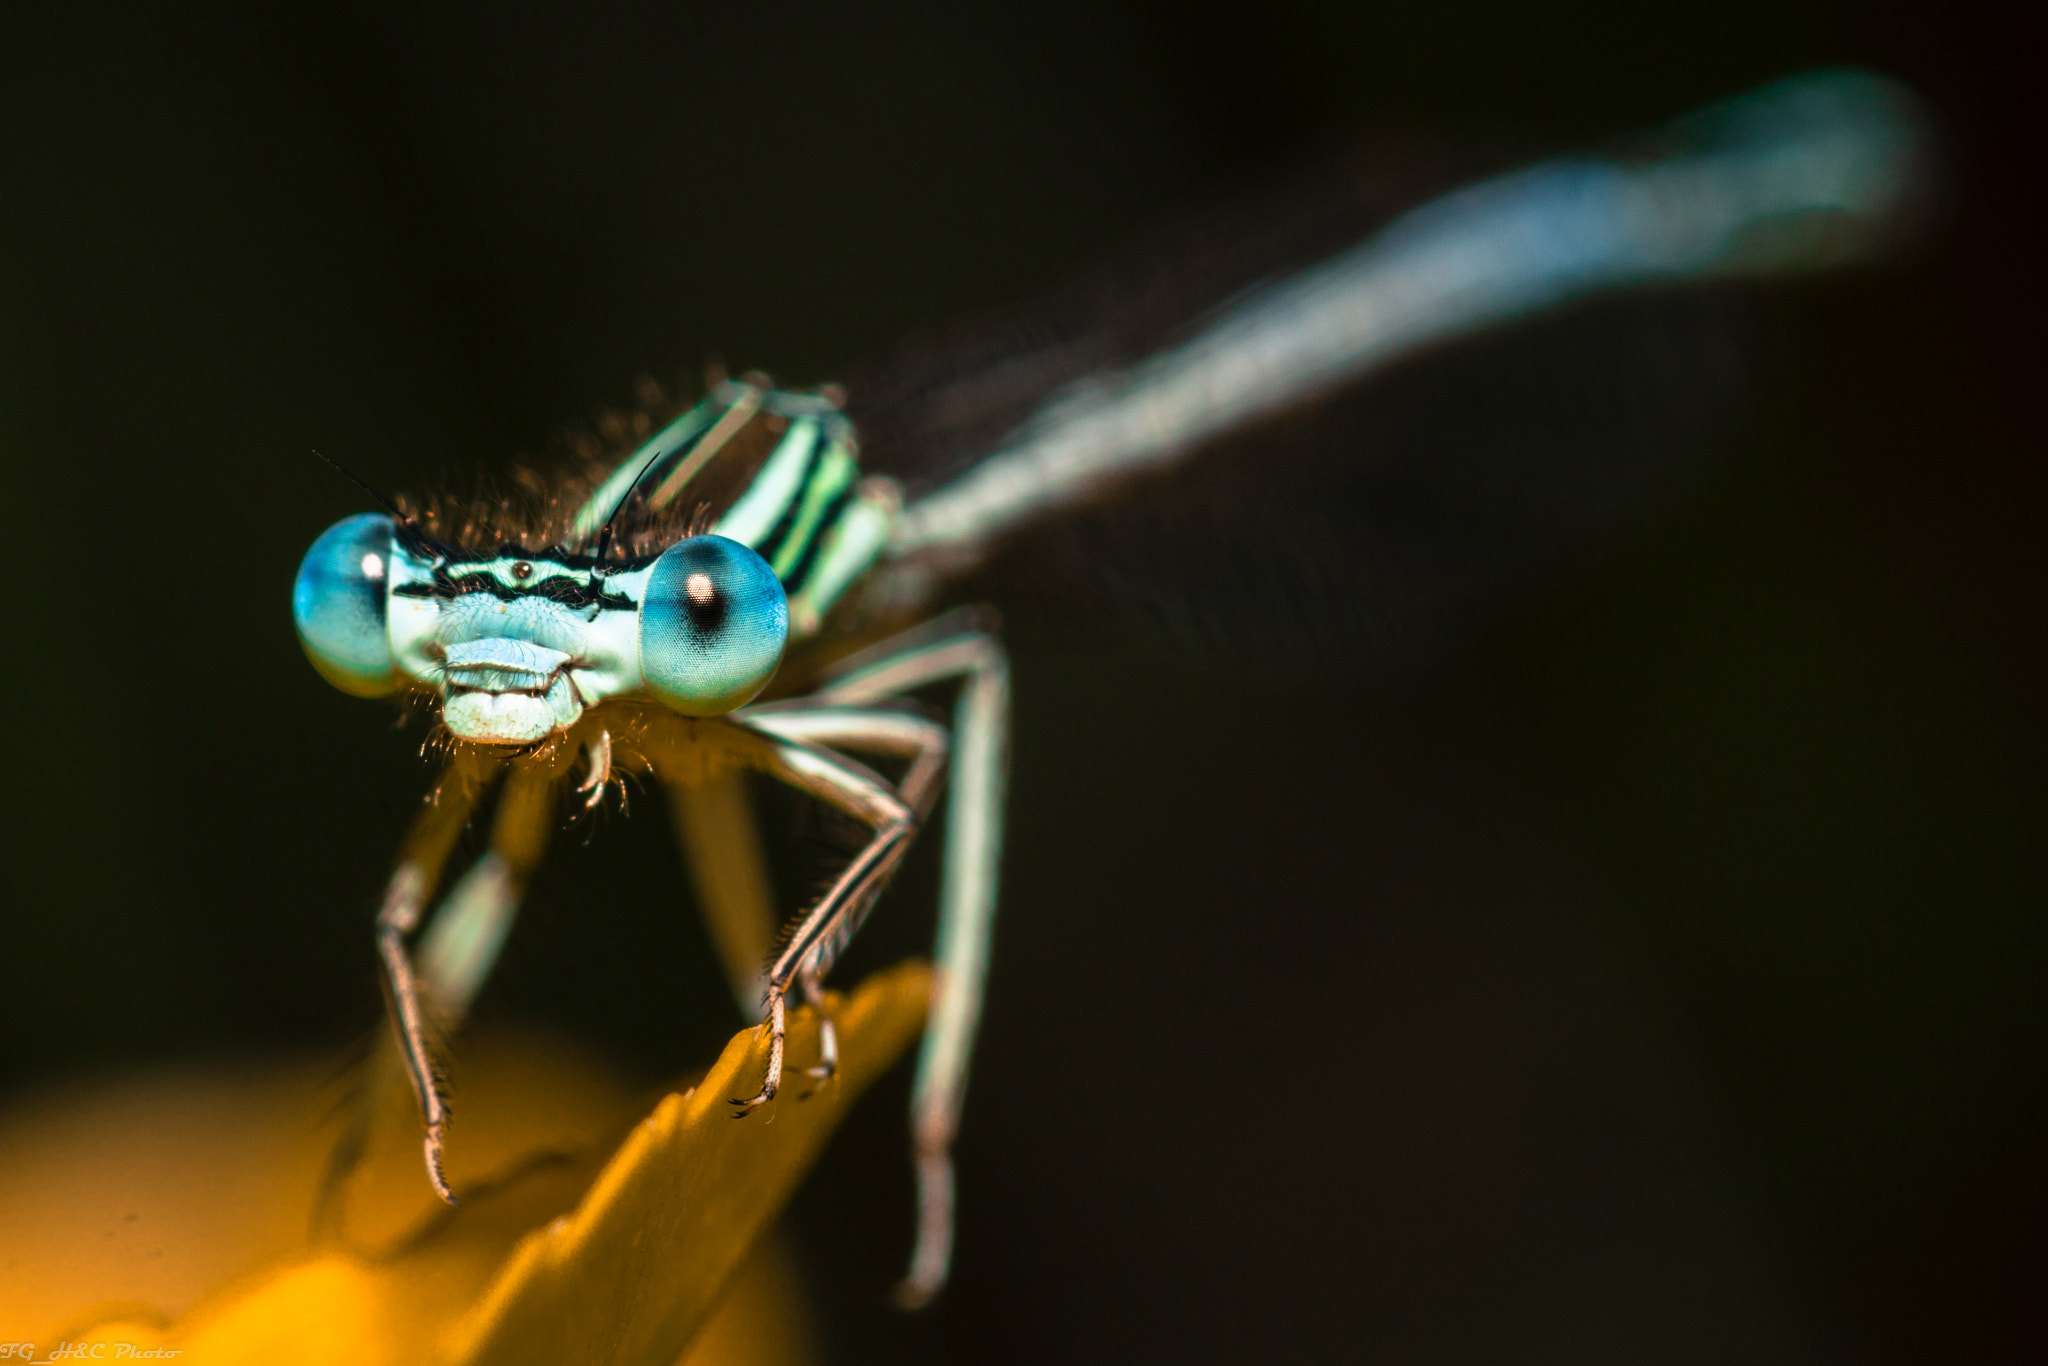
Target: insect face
point(519, 644)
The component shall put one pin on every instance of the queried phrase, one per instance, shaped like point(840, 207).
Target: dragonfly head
point(518, 643)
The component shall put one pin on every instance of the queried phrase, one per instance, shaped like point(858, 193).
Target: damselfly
point(641, 613)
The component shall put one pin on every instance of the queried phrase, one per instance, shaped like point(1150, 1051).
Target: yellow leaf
point(565, 1250)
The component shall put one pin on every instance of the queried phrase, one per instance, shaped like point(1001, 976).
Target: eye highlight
point(338, 605)
point(713, 622)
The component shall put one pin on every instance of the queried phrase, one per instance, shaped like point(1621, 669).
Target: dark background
point(1654, 975)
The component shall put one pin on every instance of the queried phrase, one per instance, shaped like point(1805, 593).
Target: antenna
point(351, 476)
point(604, 535)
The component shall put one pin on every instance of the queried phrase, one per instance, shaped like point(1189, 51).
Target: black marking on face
point(566, 591)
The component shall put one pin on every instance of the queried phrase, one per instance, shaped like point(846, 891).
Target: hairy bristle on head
point(534, 506)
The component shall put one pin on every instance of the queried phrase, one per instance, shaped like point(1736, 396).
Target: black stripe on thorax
point(777, 534)
point(793, 582)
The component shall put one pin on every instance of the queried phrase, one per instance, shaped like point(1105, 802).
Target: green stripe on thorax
point(805, 508)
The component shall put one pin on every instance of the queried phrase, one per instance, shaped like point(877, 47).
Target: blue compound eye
point(338, 605)
point(712, 626)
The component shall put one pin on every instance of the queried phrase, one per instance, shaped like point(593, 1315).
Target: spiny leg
point(721, 841)
point(825, 929)
point(896, 734)
point(467, 778)
point(462, 943)
point(967, 904)
point(677, 749)
point(836, 715)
